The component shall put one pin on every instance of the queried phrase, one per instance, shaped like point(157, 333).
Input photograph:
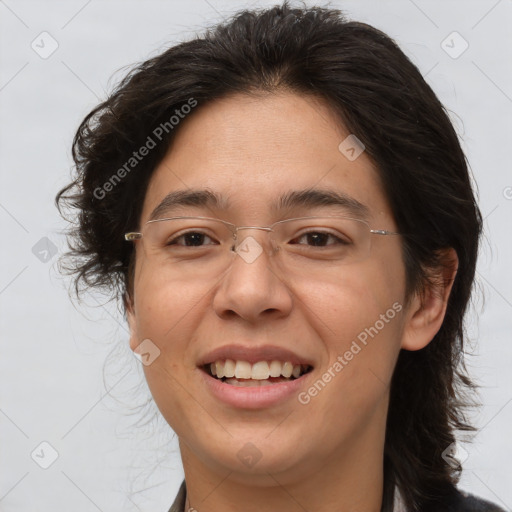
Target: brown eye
point(319, 239)
point(191, 239)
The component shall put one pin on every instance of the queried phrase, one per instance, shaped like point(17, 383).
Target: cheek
point(342, 308)
point(166, 315)
point(164, 310)
point(360, 319)
point(167, 318)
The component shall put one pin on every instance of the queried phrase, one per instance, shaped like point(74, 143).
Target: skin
point(325, 455)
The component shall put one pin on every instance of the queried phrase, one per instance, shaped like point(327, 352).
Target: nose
point(253, 288)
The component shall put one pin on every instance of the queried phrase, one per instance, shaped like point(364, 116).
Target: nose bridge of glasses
point(261, 228)
point(247, 246)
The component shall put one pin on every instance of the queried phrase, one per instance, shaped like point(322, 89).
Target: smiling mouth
point(261, 373)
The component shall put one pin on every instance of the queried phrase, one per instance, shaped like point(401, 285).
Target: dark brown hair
point(381, 97)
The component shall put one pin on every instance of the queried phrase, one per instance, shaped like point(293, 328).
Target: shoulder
point(179, 502)
point(462, 501)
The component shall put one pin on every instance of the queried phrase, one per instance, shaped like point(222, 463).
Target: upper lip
point(253, 355)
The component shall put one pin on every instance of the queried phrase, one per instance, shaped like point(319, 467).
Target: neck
point(313, 494)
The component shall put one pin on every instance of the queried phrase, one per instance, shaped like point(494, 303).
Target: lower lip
point(253, 397)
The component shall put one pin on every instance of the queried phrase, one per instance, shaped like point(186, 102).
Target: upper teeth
point(259, 371)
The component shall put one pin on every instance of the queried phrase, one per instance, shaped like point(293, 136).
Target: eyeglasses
point(202, 246)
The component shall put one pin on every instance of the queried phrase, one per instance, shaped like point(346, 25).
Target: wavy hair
point(380, 96)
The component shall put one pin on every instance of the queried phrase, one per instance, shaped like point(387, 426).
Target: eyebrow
point(198, 198)
point(307, 198)
point(314, 198)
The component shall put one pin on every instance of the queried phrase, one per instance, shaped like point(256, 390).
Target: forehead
point(253, 150)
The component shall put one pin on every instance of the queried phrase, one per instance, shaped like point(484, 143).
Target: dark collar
point(459, 501)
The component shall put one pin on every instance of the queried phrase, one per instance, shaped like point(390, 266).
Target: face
point(346, 323)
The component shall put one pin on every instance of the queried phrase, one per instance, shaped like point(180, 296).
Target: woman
point(285, 209)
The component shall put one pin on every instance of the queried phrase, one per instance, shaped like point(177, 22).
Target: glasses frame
point(137, 235)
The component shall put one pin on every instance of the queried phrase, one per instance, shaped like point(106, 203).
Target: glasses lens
point(193, 247)
point(313, 240)
point(189, 245)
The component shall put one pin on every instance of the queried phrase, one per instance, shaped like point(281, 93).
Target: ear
point(426, 309)
point(132, 320)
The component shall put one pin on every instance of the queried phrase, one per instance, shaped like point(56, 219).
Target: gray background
point(58, 383)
